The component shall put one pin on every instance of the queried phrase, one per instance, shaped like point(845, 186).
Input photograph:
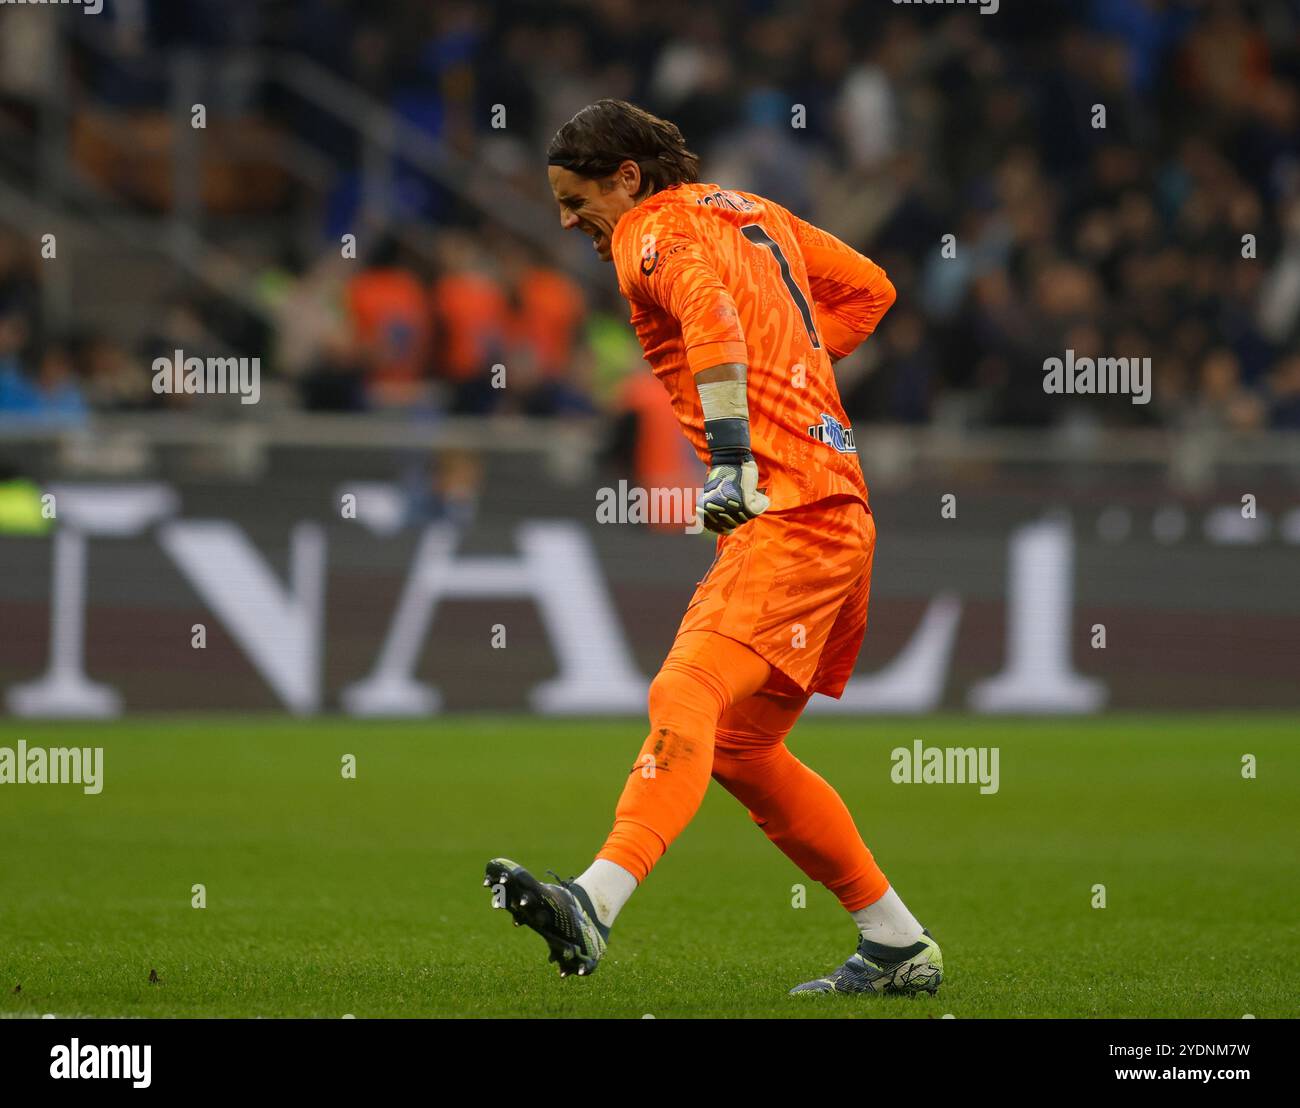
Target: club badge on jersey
point(834, 434)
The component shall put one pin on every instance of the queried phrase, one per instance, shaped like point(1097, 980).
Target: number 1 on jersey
point(759, 237)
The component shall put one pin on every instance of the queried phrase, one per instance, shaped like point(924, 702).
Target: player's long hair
point(596, 141)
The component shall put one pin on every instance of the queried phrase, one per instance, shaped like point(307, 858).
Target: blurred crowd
point(1116, 177)
point(387, 330)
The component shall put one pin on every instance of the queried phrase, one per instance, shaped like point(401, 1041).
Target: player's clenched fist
point(730, 495)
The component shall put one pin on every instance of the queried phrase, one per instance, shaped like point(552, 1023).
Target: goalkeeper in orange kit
point(741, 309)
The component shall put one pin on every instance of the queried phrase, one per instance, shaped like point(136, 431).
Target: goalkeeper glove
point(730, 495)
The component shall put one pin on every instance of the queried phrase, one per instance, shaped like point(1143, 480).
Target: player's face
point(593, 206)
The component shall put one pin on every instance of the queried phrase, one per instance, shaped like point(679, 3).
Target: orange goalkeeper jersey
point(716, 276)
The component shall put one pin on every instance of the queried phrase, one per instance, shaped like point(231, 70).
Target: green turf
point(327, 896)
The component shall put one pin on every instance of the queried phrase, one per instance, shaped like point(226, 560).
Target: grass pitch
point(328, 896)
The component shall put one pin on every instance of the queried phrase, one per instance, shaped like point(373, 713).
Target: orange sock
point(703, 675)
point(796, 807)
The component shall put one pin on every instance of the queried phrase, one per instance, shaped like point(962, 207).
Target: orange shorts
point(793, 587)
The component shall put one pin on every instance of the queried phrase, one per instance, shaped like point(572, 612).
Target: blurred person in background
point(180, 326)
point(547, 310)
point(49, 393)
point(1284, 395)
point(470, 320)
point(112, 379)
point(388, 308)
point(644, 445)
point(315, 342)
point(1223, 402)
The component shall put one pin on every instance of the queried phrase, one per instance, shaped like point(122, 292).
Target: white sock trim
point(888, 921)
point(610, 886)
